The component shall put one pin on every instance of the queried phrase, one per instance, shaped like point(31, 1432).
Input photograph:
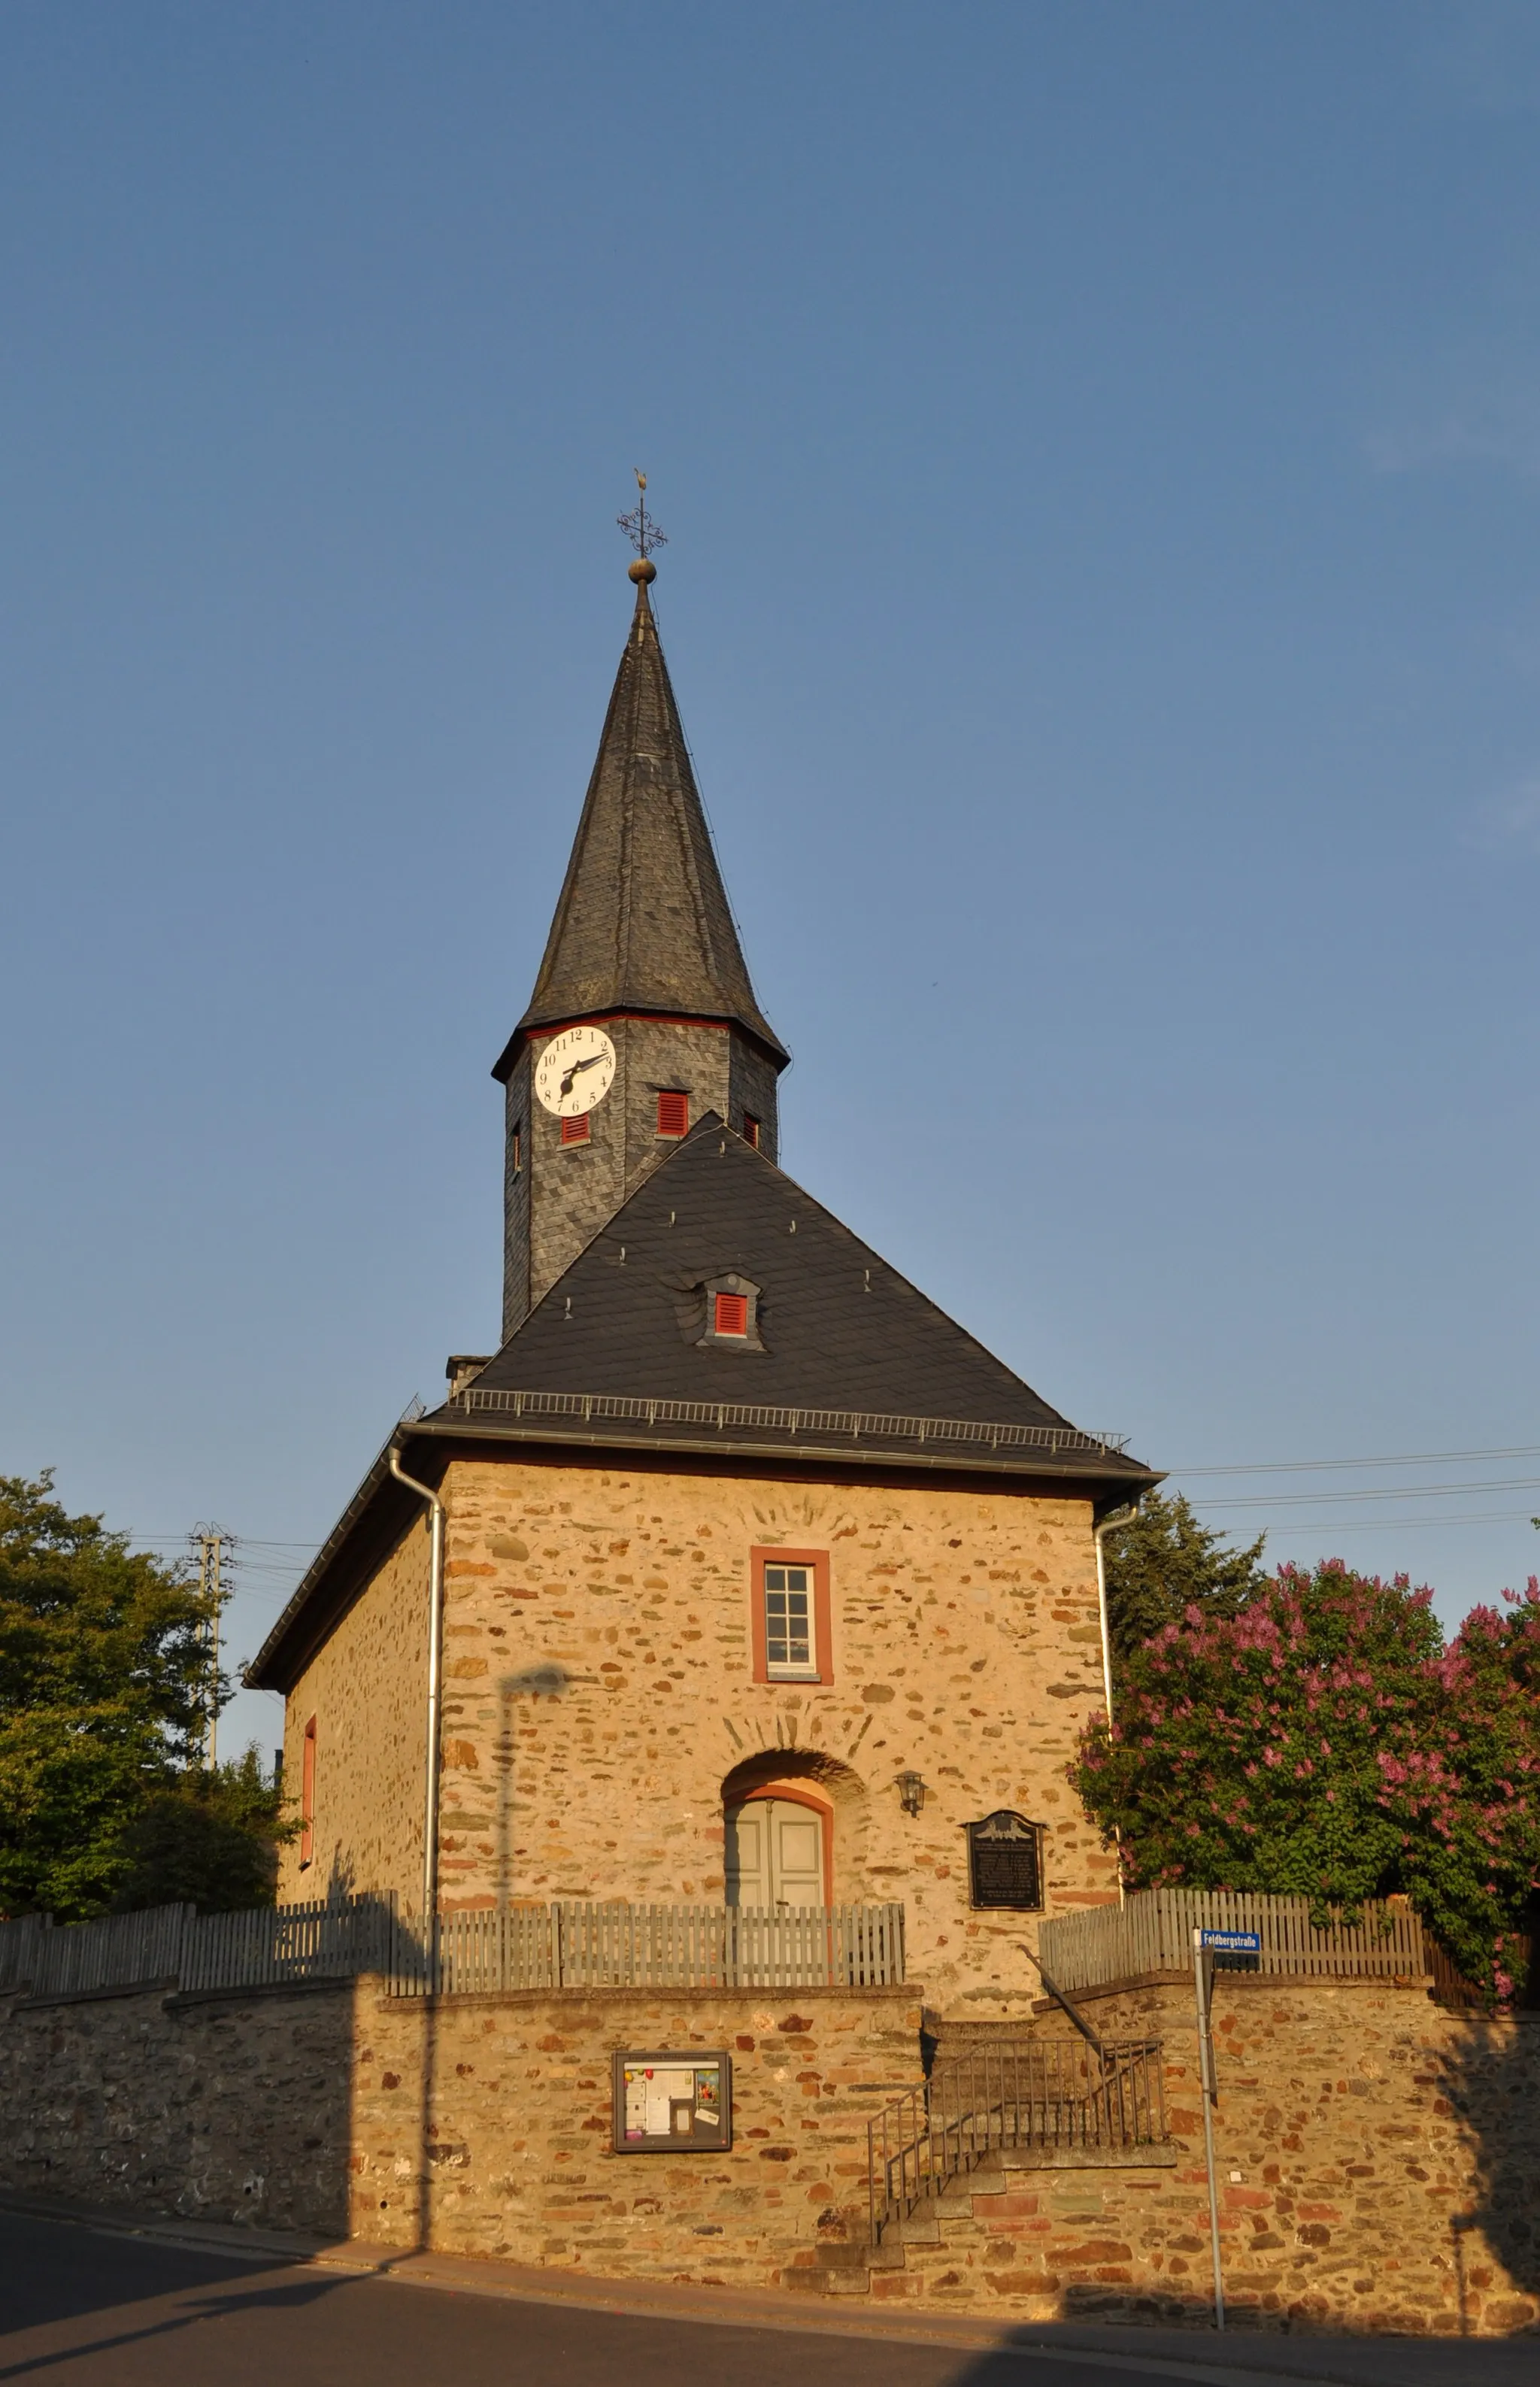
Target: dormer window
point(673, 1113)
point(731, 1320)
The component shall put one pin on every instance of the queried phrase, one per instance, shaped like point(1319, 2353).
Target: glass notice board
point(668, 2103)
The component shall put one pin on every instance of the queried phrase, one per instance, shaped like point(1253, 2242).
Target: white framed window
point(790, 1624)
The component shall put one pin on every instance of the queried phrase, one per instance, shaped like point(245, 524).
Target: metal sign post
point(1205, 1945)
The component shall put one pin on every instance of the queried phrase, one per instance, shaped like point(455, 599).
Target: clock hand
point(578, 1068)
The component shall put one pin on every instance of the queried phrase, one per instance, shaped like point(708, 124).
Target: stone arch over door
point(767, 1854)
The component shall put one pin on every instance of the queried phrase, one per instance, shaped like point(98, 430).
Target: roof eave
point(1126, 1474)
point(1110, 1482)
point(259, 1674)
point(533, 1023)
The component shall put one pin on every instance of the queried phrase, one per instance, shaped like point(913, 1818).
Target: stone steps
point(846, 2269)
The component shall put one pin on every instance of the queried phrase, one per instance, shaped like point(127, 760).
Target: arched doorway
point(779, 1815)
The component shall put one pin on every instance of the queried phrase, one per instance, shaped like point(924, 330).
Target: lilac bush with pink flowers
point(1323, 1742)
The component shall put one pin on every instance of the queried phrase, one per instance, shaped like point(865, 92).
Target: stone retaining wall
point(1388, 2153)
point(480, 2125)
point(507, 2150)
point(233, 2108)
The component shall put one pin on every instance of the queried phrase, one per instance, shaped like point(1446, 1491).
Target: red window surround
point(824, 1647)
point(575, 1130)
point(751, 1129)
point(673, 1113)
point(306, 1795)
point(731, 1313)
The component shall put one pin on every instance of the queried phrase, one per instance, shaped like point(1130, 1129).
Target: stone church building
point(677, 1720)
point(739, 1573)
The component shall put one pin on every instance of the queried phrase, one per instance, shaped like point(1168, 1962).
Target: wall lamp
point(911, 1789)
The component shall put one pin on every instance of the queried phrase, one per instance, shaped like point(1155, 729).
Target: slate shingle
point(643, 923)
point(840, 1330)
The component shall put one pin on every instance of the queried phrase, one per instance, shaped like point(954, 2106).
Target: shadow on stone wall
point(1491, 2077)
point(188, 2104)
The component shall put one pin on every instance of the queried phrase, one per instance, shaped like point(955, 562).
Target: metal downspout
point(1109, 1524)
point(436, 1686)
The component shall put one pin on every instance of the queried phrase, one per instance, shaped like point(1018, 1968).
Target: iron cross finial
point(643, 533)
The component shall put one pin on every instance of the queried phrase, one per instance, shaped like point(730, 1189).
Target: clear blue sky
point(1100, 447)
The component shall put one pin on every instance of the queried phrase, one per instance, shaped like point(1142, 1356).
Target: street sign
point(1232, 1943)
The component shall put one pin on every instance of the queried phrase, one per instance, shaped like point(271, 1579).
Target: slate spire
point(643, 923)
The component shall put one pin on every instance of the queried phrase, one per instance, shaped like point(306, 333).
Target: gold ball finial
point(643, 533)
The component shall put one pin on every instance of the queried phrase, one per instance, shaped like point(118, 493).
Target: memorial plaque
point(1005, 1861)
point(672, 2104)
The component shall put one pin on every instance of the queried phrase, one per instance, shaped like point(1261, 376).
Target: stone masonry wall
point(598, 1689)
point(229, 2108)
point(563, 1194)
point(481, 2125)
point(1389, 2160)
point(1388, 2163)
point(367, 1689)
point(515, 2159)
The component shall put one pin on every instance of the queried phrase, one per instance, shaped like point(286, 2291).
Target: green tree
point(1322, 1742)
point(211, 1841)
point(104, 1684)
point(1163, 1564)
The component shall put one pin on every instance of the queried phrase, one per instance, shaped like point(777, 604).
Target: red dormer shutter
point(673, 1113)
point(732, 1313)
point(575, 1130)
point(751, 1129)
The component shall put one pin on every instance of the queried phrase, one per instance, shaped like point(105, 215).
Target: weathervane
point(643, 534)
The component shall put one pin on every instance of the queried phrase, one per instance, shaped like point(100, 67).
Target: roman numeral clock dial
point(574, 1072)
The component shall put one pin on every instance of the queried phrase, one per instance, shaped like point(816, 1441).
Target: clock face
point(574, 1073)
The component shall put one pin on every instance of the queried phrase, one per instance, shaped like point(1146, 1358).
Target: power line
point(1406, 1459)
point(1389, 1491)
point(1399, 1524)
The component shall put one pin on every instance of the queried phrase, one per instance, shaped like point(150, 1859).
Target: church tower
point(643, 1017)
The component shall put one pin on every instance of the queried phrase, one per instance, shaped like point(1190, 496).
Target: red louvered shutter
point(673, 1113)
point(751, 1129)
point(732, 1313)
point(575, 1130)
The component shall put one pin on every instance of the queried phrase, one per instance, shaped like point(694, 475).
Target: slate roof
point(857, 1367)
point(844, 1336)
point(643, 923)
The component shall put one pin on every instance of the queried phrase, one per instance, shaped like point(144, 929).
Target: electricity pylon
point(215, 1559)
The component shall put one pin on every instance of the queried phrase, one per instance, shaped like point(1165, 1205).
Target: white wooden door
point(775, 1854)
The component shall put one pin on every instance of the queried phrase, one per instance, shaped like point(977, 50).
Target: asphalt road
point(84, 2308)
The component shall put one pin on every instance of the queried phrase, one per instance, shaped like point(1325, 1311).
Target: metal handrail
point(870, 1424)
point(1040, 2093)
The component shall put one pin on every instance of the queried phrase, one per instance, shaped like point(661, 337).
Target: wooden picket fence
point(576, 1944)
point(314, 1940)
point(573, 1944)
point(1151, 1932)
